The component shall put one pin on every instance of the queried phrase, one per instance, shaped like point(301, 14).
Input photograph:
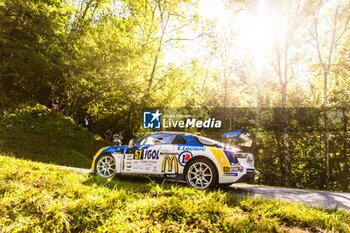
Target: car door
point(132, 158)
point(147, 156)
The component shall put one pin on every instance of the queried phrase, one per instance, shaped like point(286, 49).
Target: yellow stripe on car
point(95, 157)
point(220, 157)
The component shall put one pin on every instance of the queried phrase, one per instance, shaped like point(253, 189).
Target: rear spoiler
point(240, 137)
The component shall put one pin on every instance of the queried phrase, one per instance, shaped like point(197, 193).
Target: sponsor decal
point(191, 148)
point(152, 120)
point(151, 154)
point(167, 153)
point(145, 165)
point(170, 163)
point(153, 162)
point(184, 157)
point(128, 156)
point(230, 174)
point(150, 175)
point(146, 154)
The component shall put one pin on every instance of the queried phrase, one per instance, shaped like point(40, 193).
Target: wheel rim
point(200, 175)
point(106, 166)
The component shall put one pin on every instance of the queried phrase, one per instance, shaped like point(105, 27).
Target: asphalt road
point(79, 170)
point(314, 198)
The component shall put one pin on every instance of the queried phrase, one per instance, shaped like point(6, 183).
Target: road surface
point(79, 170)
point(314, 198)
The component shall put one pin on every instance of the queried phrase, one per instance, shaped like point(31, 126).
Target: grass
point(35, 197)
point(39, 134)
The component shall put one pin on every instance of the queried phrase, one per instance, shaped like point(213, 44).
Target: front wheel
point(201, 174)
point(105, 166)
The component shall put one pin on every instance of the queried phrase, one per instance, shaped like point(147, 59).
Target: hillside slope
point(36, 197)
point(40, 134)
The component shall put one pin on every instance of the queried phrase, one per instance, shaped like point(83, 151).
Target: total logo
point(152, 120)
point(184, 157)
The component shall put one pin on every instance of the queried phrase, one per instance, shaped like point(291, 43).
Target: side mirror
point(132, 143)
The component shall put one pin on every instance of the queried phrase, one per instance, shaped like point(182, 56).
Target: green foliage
point(37, 197)
point(40, 134)
point(32, 56)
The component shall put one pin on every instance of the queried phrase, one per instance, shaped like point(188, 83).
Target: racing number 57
point(138, 154)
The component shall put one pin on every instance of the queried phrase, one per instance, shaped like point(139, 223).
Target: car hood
point(115, 149)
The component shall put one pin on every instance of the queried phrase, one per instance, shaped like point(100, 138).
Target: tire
point(105, 166)
point(201, 173)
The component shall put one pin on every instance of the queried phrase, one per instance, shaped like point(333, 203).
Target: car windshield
point(208, 141)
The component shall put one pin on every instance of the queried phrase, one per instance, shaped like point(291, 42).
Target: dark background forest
point(280, 69)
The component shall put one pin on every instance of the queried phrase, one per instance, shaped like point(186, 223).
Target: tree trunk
point(345, 181)
point(155, 64)
point(282, 71)
point(280, 145)
point(285, 136)
point(326, 130)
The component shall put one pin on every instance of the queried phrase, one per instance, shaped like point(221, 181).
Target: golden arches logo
point(172, 162)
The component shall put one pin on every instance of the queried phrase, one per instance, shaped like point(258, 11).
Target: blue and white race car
point(200, 161)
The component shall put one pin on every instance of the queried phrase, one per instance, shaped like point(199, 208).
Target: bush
point(37, 133)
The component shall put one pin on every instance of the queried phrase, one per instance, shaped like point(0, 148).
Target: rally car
point(201, 162)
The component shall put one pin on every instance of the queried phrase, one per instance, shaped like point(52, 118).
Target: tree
point(294, 13)
point(162, 25)
point(32, 42)
point(339, 95)
point(327, 36)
